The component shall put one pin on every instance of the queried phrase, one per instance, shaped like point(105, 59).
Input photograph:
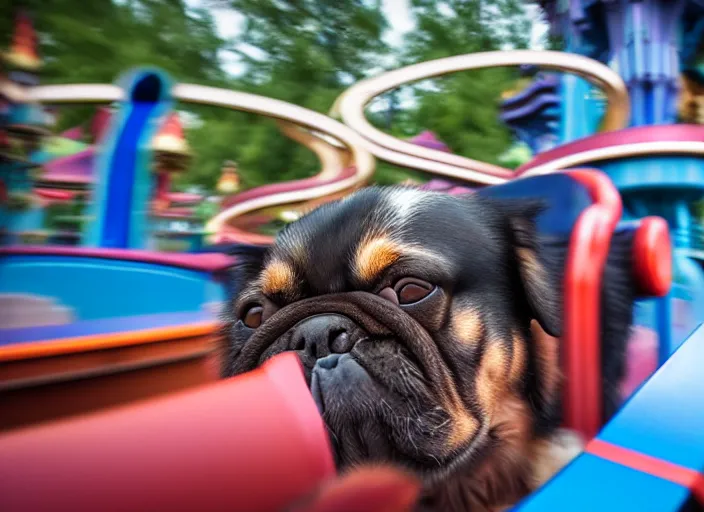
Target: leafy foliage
point(301, 51)
point(463, 109)
point(306, 53)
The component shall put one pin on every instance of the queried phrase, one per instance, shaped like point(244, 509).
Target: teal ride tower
point(657, 48)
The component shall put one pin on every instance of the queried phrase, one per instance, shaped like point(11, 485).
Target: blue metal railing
point(692, 238)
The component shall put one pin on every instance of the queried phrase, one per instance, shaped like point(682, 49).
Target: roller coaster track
point(346, 151)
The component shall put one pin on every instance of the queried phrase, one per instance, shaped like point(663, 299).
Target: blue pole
point(123, 188)
point(663, 317)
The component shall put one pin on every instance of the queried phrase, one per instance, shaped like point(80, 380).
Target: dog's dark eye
point(411, 290)
point(256, 313)
point(253, 316)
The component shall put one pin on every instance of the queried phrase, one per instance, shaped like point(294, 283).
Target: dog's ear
point(249, 261)
point(539, 266)
point(539, 275)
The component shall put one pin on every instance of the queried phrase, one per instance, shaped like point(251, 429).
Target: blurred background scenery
point(305, 53)
point(122, 193)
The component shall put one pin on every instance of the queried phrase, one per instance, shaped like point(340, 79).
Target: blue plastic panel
point(582, 109)
point(685, 171)
point(97, 288)
point(565, 197)
point(665, 419)
point(592, 484)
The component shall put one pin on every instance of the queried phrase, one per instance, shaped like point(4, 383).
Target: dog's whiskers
point(409, 434)
point(439, 426)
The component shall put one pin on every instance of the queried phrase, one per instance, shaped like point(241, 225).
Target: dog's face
point(411, 312)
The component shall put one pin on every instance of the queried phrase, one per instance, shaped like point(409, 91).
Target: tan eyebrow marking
point(374, 255)
point(278, 277)
point(468, 326)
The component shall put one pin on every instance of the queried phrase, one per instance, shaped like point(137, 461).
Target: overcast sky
point(229, 24)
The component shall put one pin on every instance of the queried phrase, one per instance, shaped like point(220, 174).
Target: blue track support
point(116, 228)
point(637, 461)
point(663, 317)
point(121, 205)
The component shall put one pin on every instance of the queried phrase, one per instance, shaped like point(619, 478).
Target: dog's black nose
point(322, 335)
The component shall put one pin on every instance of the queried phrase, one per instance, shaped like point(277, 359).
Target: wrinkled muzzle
point(377, 376)
point(376, 317)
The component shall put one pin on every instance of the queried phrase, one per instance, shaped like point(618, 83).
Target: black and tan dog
point(425, 324)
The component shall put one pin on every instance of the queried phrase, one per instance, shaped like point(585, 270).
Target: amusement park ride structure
point(142, 324)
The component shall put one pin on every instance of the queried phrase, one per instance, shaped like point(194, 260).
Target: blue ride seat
point(566, 197)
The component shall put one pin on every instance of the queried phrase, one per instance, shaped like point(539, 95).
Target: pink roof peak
point(428, 139)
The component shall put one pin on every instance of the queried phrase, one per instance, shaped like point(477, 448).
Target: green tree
point(303, 52)
point(463, 109)
point(96, 40)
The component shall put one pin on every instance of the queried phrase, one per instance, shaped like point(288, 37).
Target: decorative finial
point(22, 54)
point(171, 149)
point(170, 138)
point(429, 140)
point(229, 181)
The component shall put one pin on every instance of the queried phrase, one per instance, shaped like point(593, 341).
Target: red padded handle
point(588, 252)
point(652, 257)
point(252, 443)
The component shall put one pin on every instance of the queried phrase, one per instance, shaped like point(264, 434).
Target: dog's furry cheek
point(552, 454)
